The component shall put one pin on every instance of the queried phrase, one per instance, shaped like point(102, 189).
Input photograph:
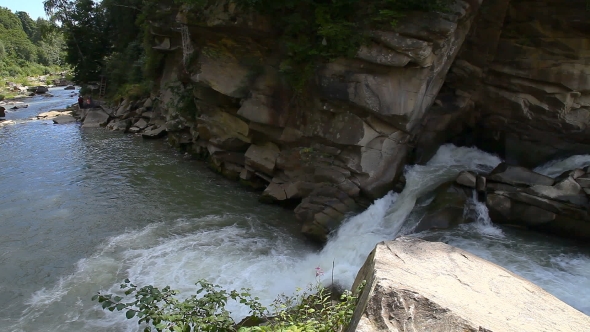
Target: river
point(83, 209)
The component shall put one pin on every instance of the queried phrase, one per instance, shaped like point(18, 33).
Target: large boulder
point(121, 125)
point(2, 112)
point(566, 190)
point(224, 130)
point(414, 285)
point(221, 70)
point(520, 197)
point(446, 209)
point(322, 211)
point(262, 157)
point(539, 213)
point(518, 176)
point(41, 90)
point(95, 118)
point(154, 132)
point(63, 119)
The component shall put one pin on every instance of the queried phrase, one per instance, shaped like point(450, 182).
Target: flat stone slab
point(415, 285)
point(95, 118)
point(63, 119)
point(518, 176)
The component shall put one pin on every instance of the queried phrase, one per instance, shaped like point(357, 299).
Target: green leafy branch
point(311, 310)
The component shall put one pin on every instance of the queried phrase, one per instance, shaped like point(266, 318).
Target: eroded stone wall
point(520, 85)
point(338, 145)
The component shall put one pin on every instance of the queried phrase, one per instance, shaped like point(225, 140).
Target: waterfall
point(187, 45)
point(238, 251)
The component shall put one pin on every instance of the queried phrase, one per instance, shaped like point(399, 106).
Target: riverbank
point(18, 88)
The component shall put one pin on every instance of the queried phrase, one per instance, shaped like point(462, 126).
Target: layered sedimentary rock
point(414, 285)
point(517, 86)
point(343, 142)
point(520, 197)
point(517, 196)
point(520, 85)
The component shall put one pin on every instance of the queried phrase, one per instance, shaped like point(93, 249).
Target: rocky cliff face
point(520, 84)
point(342, 142)
point(517, 85)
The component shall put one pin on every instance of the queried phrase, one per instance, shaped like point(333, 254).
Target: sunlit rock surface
point(414, 285)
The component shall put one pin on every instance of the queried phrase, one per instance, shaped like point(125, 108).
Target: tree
point(29, 26)
point(16, 41)
point(84, 25)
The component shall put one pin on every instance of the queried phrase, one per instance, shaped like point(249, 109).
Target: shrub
point(312, 310)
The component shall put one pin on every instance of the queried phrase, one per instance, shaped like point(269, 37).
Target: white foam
point(482, 224)
point(248, 254)
point(557, 167)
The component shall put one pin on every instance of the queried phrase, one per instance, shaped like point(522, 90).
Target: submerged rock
point(19, 105)
point(415, 285)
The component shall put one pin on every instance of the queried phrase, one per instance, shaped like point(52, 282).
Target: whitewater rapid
point(225, 250)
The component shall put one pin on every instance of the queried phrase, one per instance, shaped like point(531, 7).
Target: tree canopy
point(26, 46)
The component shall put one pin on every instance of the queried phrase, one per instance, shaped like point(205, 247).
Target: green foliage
point(26, 47)
point(204, 311)
point(312, 310)
point(86, 41)
point(112, 37)
point(28, 25)
point(183, 101)
point(316, 31)
point(134, 91)
point(16, 42)
point(106, 38)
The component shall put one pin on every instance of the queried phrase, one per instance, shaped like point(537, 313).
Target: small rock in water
point(6, 123)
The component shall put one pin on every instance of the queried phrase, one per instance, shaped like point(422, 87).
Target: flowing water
point(81, 210)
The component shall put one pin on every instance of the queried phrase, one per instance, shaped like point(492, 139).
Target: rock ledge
point(415, 285)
